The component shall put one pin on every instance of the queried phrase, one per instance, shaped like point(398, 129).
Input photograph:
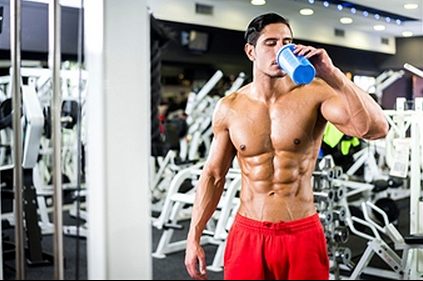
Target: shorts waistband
point(281, 227)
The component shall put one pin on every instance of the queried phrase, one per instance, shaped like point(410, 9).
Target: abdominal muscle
point(277, 188)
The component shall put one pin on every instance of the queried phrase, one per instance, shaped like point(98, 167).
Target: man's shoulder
point(228, 104)
point(236, 95)
point(229, 99)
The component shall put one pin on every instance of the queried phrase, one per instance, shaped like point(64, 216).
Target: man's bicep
point(334, 111)
point(222, 152)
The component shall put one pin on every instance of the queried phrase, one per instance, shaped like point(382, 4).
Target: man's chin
point(278, 75)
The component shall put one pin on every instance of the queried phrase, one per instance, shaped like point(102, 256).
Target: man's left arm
point(352, 109)
point(363, 116)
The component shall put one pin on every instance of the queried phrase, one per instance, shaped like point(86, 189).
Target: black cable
point(79, 143)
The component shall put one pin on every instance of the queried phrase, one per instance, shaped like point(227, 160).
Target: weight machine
point(37, 94)
point(401, 265)
point(199, 114)
point(176, 210)
point(32, 126)
point(199, 111)
point(384, 80)
point(404, 157)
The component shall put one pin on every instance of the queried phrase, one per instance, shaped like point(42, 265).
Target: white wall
point(118, 139)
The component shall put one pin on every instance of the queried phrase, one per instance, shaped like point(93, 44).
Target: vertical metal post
point(415, 184)
point(54, 64)
point(15, 42)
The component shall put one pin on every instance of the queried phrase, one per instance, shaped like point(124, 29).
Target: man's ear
point(249, 50)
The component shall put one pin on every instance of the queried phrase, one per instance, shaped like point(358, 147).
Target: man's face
point(273, 37)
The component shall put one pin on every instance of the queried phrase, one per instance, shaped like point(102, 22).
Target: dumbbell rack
point(327, 199)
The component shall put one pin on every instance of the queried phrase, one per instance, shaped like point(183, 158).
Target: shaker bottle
point(297, 67)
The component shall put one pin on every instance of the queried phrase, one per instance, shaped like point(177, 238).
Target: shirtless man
point(274, 128)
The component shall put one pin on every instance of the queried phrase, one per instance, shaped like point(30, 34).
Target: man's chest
point(257, 132)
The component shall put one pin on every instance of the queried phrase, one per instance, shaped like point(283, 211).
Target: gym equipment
point(366, 157)
point(194, 135)
point(177, 205)
point(339, 213)
point(413, 69)
point(69, 113)
point(401, 266)
point(326, 195)
point(162, 171)
point(6, 114)
point(402, 155)
point(199, 111)
point(32, 125)
point(342, 255)
point(40, 79)
point(37, 136)
point(384, 80)
point(196, 132)
point(239, 81)
point(389, 206)
point(328, 199)
point(406, 126)
point(356, 212)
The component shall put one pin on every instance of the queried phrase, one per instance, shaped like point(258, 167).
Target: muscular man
point(274, 128)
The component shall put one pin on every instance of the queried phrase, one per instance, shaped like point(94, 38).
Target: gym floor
point(172, 267)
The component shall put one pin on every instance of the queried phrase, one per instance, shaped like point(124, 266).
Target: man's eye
point(270, 43)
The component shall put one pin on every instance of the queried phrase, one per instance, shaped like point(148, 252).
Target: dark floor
point(172, 267)
point(43, 269)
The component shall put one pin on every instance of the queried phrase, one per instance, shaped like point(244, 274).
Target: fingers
point(201, 272)
point(203, 269)
point(198, 275)
point(306, 51)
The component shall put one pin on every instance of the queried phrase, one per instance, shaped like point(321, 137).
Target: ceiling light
point(367, 11)
point(379, 27)
point(311, 1)
point(407, 33)
point(411, 6)
point(306, 12)
point(346, 20)
point(258, 2)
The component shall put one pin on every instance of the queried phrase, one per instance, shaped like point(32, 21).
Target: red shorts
point(294, 250)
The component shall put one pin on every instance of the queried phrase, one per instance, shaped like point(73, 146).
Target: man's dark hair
point(256, 26)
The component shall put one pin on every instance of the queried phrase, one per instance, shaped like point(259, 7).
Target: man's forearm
point(365, 113)
point(207, 197)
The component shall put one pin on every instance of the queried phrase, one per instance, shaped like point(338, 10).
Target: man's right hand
point(195, 257)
